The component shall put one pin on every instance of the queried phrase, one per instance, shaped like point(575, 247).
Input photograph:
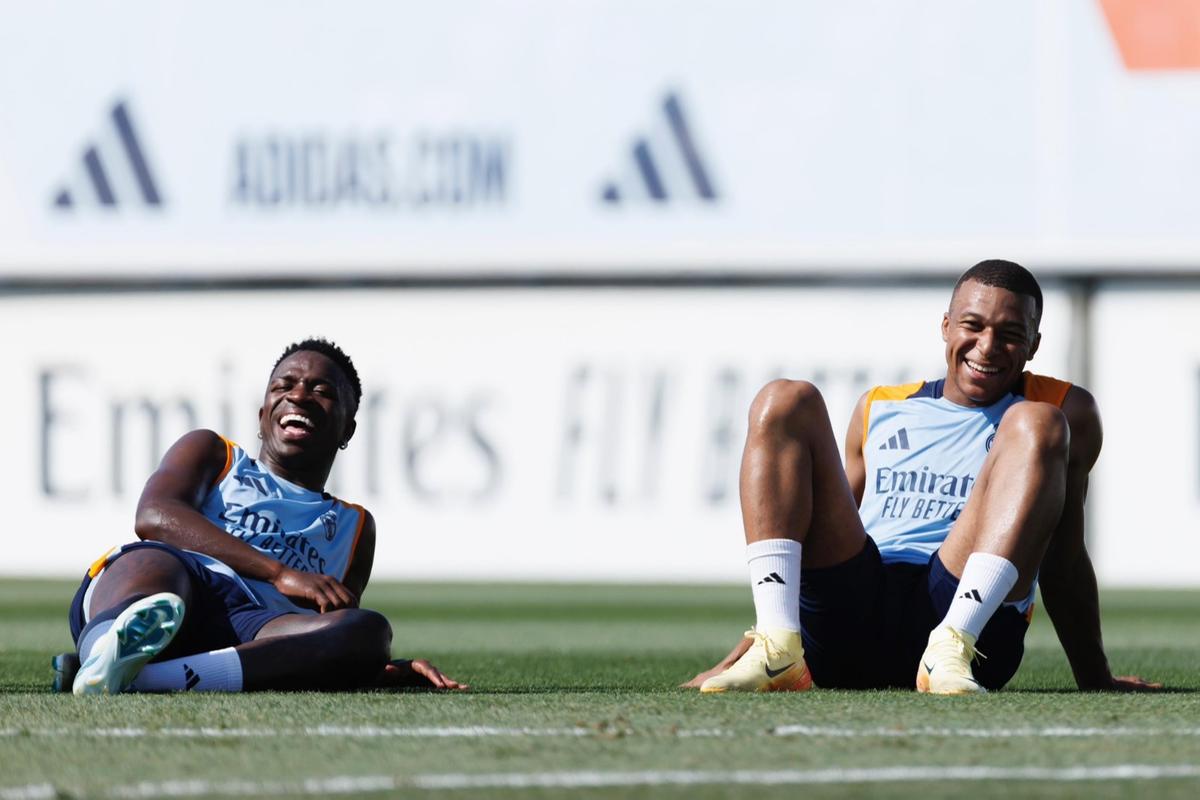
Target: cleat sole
point(141, 632)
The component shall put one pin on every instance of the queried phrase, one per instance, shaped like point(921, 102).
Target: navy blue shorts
point(865, 624)
point(221, 614)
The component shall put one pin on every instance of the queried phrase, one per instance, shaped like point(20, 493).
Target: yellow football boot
point(946, 664)
point(774, 663)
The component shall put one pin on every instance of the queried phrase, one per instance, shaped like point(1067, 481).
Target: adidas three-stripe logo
point(666, 163)
point(972, 595)
point(190, 677)
point(774, 577)
point(115, 170)
point(899, 441)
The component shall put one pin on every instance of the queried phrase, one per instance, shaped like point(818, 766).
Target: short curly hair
point(333, 353)
point(1005, 275)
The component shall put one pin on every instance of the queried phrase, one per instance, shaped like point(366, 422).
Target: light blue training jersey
point(302, 529)
point(923, 454)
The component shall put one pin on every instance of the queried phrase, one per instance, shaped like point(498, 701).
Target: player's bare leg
point(139, 573)
point(998, 542)
point(138, 607)
point(338, 650)
point(797, 508)
point(792, 483)
point(343, 649)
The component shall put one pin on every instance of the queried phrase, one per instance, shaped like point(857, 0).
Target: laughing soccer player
point(248, 574)
point(958, 497)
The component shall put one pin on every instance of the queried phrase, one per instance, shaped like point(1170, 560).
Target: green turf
point(602, 661)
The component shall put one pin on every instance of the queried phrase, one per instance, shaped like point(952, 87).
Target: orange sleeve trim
point(362, 520)
point(100, 563)
point(1046, 390)
point(228, 461)
point(901, 391)
point(1029, 613)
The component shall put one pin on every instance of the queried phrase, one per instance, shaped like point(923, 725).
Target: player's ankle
point(775, 583)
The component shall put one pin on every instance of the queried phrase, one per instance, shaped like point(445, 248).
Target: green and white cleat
point(138, 634)
point(774, 663)
point(946, 664)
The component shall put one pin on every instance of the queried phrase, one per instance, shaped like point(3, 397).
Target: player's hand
point(314, 590)
point(695, 682)
point(728, 661)
point(417, 673)
point(1132, 683)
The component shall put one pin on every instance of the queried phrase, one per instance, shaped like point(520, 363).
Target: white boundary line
point(1051, 732)
point(485, 731)
point(574, 780)
point(37, 791)
point(351, 784)
point(316, 731)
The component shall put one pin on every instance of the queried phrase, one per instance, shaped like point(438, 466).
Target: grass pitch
point(573, 695)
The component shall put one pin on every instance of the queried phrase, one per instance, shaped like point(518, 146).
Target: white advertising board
point(556, 435)
point(1145, 497)
point(471, 137)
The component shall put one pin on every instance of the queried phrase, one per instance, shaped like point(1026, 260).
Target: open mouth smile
point(297, 426)
point(981, 370)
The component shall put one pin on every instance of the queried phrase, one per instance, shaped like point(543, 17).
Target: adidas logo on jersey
point(899, 441)
point(774, 577)
point(666, 164)
point(113, 171)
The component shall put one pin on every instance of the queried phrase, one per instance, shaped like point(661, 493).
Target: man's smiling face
point(308, 412)
point(990, 333)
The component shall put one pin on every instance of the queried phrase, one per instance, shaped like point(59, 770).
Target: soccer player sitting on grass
point(248, 575)
point(919, 562)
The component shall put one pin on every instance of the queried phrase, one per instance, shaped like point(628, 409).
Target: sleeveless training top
point(305, 530)
point(923, 454)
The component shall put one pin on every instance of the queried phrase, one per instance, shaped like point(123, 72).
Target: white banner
point(1145, 499)
point(478, 138)
point(548, 435)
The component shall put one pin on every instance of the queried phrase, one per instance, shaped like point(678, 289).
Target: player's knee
point(1039, 426)
point(144, 571)
point(368, 634)
point(784, 405)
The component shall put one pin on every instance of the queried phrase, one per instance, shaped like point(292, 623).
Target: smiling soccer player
point(249, 574)
point(958, 496)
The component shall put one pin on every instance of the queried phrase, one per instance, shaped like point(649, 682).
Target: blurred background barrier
point(567, 242)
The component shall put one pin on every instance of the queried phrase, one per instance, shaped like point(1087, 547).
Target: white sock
point(90, 635)
point(986, 581)
point(775, 582)
point(214, 671)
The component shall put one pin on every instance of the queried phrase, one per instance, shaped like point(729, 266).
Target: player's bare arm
point(856, 465)
point(359, 572)
point(1067, 578)
point(168, 512)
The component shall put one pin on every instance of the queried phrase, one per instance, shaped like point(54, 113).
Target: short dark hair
point(333, 353)
point(1005, 275)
